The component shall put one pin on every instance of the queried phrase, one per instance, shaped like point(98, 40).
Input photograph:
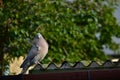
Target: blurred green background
point(70, 28)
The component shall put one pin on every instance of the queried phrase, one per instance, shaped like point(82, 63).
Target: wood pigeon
point(36, 54)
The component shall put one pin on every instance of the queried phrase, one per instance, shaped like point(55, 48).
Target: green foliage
point(69, 28)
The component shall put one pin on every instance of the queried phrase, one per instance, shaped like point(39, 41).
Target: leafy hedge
point(69, 27)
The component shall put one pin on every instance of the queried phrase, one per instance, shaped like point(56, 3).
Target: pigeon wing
point(30, 56)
